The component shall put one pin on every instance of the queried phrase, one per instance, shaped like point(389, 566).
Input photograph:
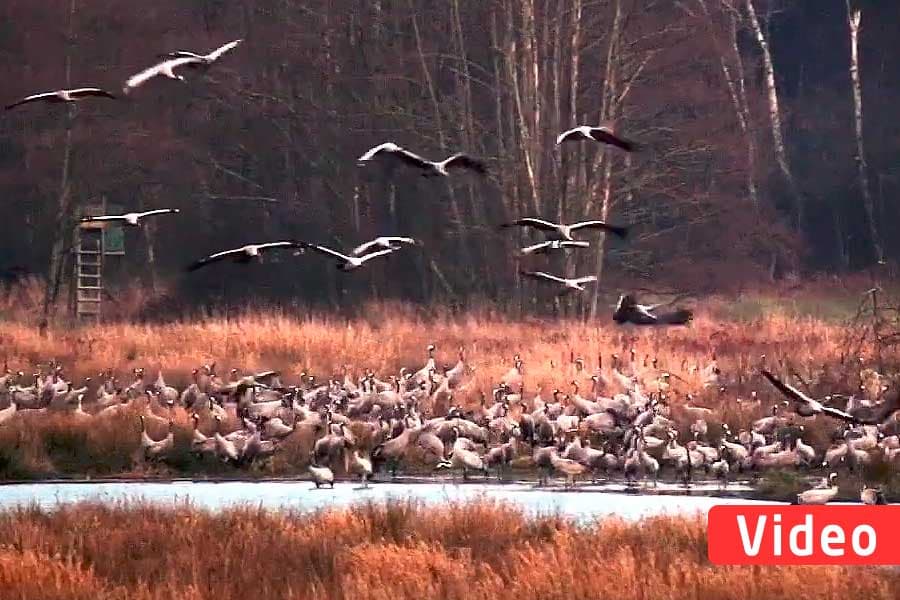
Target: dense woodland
point(752, 165)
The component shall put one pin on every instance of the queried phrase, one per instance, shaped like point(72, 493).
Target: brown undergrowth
point(384, 551)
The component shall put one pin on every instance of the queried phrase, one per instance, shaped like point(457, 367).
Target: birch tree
point(854, 18)
point(778, 144)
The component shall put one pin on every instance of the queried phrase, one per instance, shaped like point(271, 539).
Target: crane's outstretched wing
point(382, 242)
point(605, 135)
point(284, 244)
point(218, 52)
point(361, 249)
point(535, 248)
point(532, 222)
point(149, 73)
point(91, 93)
point(546, 247)
point(390, 150)
point(327, 251)
point(796, 395)
point(543, 276)
point(180, 54)
point(372, 255)
point(214, 258)
point(91, 218)
point(464, 161)
point(572, 135)
point(586, 279)
point(157, 211)
point(410, 158)
point(32, 98)
point(788, 391)
point(619, 231)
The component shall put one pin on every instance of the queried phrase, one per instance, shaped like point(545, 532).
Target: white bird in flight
point(565, 231)
point(132, 218)
point(244, 254)
point(165, 68)
point(392, 151)
point(384, 242)
point(603, 134)
point(545, 247)
point(60, 96)
point(568, 285)
point(206, 59)
point(348, 263)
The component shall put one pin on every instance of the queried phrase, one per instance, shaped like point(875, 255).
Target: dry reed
point(393, 336)
point(393, 551)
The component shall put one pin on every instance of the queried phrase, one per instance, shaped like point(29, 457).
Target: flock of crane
point(389, 154)
point(618, 421)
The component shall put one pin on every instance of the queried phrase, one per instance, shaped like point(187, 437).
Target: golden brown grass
point(389, 337)
point(389, 552)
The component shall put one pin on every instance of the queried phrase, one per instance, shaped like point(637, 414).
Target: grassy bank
point(391, 337)
point(386, 339)
point(386, 552)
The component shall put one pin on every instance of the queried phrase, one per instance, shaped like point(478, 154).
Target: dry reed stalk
point(385, 551)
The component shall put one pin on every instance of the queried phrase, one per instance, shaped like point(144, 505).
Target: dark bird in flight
point(245, 254)
point(861, 415)
point(803, 404)
point(546, 247)
point(567, 285)
point(396, 154)
point(565, 231)
point(629, 311)
point(205, 59)
point(63, 96)
point(132, 218)
point(603, 134)
point(384, 242)
point(349, 263)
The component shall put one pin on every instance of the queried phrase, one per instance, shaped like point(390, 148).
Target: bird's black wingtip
point(620, 232)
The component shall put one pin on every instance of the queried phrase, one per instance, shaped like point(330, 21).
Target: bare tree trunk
point(470, 138)
point(531, 57)
point(507, 171)
point(853, 18)
point(439, 124)
point(569, 178)
point(149, 233)
point(607, 112)
point(525, 130)
point(735, 82)
point(63, 225)
point(781, 156)
point(601, 244)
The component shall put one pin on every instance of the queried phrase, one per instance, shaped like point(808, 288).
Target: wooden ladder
point(89, 272)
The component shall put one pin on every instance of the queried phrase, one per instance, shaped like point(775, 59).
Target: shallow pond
point(583, 503)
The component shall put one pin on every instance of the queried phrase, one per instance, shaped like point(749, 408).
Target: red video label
point(804, 535)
